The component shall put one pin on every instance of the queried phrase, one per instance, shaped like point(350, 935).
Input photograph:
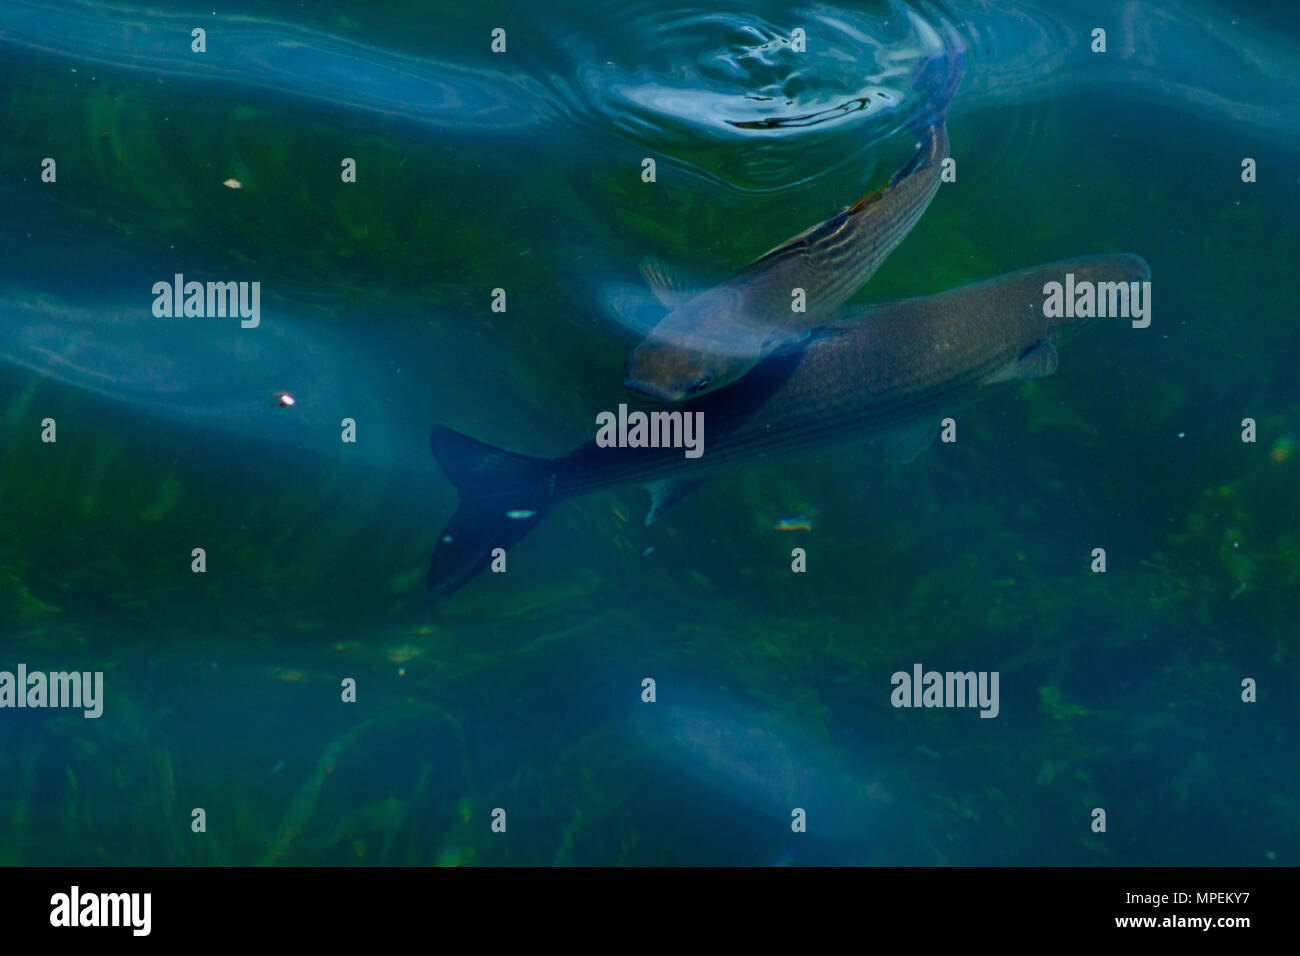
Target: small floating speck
point(277, 768)
point(233, 183)
point(800, 522)
point(284, 400)
point(520, 515)
point(646, 552)
point(446, 539)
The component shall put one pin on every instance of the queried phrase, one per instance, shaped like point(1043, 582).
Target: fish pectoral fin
point(907, 443)
point(667, 283)
point(1037, 361)
point(843, 327)
point(666, 493)
point(781, 337)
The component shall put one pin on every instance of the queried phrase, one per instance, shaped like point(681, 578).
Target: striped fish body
point(717, 336)
point(896, 368)
point(893, 366)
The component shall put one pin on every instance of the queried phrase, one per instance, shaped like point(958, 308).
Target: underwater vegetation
point(1120, 690)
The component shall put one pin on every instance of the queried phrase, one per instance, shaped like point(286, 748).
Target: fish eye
point(701, 383)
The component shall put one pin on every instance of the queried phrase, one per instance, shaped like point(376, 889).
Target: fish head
point(695, 349)
point(1105, 274)
point(666, 372)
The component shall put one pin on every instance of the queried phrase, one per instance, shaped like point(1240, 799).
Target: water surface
point(522, 171)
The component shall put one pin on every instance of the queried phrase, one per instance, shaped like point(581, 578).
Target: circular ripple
point(727, 92)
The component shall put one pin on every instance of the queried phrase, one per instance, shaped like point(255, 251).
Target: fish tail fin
point(503, 496)
point(937, 79)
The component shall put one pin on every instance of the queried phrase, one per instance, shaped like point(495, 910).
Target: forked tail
point(938, 79)
point(503, 495)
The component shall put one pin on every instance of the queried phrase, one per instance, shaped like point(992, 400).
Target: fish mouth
point(651, 391)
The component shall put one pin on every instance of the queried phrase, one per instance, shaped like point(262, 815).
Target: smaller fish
point(711, 338)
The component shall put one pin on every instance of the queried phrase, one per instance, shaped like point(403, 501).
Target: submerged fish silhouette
point(751, 757)
point(712, 338)
point(890, 373)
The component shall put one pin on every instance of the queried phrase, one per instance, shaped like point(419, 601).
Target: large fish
point(710, 339)
point(889, 374)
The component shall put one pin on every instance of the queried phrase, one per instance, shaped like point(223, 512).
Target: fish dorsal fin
point(905, 444)
point(927, 154)
point(666, 493)
point(667, 283)
point(792, 241)
point(1037, 361)
point(827, 228)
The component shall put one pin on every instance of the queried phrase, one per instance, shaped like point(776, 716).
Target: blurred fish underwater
point(452, 228)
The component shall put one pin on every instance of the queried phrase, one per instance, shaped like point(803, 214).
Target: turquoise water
point(522, 170)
